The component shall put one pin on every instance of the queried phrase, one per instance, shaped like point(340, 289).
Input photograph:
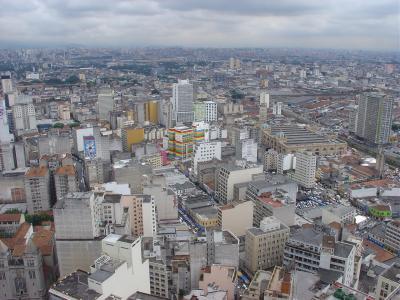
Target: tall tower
point(6, 84)
point(264, 106)
point(105, 102)
point(182, 101)
point(374, 117)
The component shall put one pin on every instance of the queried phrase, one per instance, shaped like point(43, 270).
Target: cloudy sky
point(359, 24)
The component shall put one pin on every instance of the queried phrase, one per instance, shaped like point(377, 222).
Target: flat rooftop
point(393, 273)
point(76, 285)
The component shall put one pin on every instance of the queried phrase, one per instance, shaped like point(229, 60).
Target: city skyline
point(367, 25)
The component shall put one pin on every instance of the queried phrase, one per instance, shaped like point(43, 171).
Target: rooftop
point(297, 135)
point(393, 273)
point(36, 171)
point(10, 217)
point(106, 270)
point(76, 285)
point(68, 170)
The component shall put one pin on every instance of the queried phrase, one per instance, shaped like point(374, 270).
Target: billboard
point(89, 147)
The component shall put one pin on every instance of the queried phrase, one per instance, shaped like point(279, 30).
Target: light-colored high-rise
point(105, 102)
point(228, 176)
point(182, 101)
point(306, 167)
point(265, 245)
point(374, 117)
point(37, 189)
point(205, 151)
point(6, 84)
point(65, 180)
point(24, 117)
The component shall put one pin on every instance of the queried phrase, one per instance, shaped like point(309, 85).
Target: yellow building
point(151, 111)
point(131, 136)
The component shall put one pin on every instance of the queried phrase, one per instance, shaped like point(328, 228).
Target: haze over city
point(340, 24)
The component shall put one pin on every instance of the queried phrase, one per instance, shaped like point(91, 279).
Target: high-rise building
point(105, 102)
point(236, 217)
point(247, 149)
point(54, 143)
point(205, 151)
point(152, 108)
point(205, 111)
point(65, 180)
point(264, 106)
point(264, 246)
point(182, 101)
point(77, 220)
point(24, 117)
point(228, 176)
point(374, 117)
point(131, 136)
point(142, 212)
point(276, 197)
point(6, 84)
point(392, 236)
point(180, 142)
point(306, 167)
point(6, 156)
point(37, 189)
point(119, 272)
point(211, 111)
point(5, 135)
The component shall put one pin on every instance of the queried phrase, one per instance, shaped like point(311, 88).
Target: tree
point(37, 219)
point(13, 211)
point(72, 79)
point(58, 125)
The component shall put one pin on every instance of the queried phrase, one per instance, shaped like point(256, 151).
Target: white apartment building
point(246, 149)
point(6, 84)
point(24, 117)
point(264, 246)
point(65, 180)
point(277, 108)
point(205, 151)
point(37, 189)
point(211, 111)
point(305, 170)
point(182, 101)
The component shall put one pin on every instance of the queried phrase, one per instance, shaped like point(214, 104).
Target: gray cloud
point(367, 24)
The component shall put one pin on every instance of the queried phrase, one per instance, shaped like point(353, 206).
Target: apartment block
point(37, 189)
point(228, 176)
point(306, 168)
point(264, 246)
point(65, 180)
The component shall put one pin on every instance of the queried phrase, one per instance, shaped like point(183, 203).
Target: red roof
point(10, 217)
